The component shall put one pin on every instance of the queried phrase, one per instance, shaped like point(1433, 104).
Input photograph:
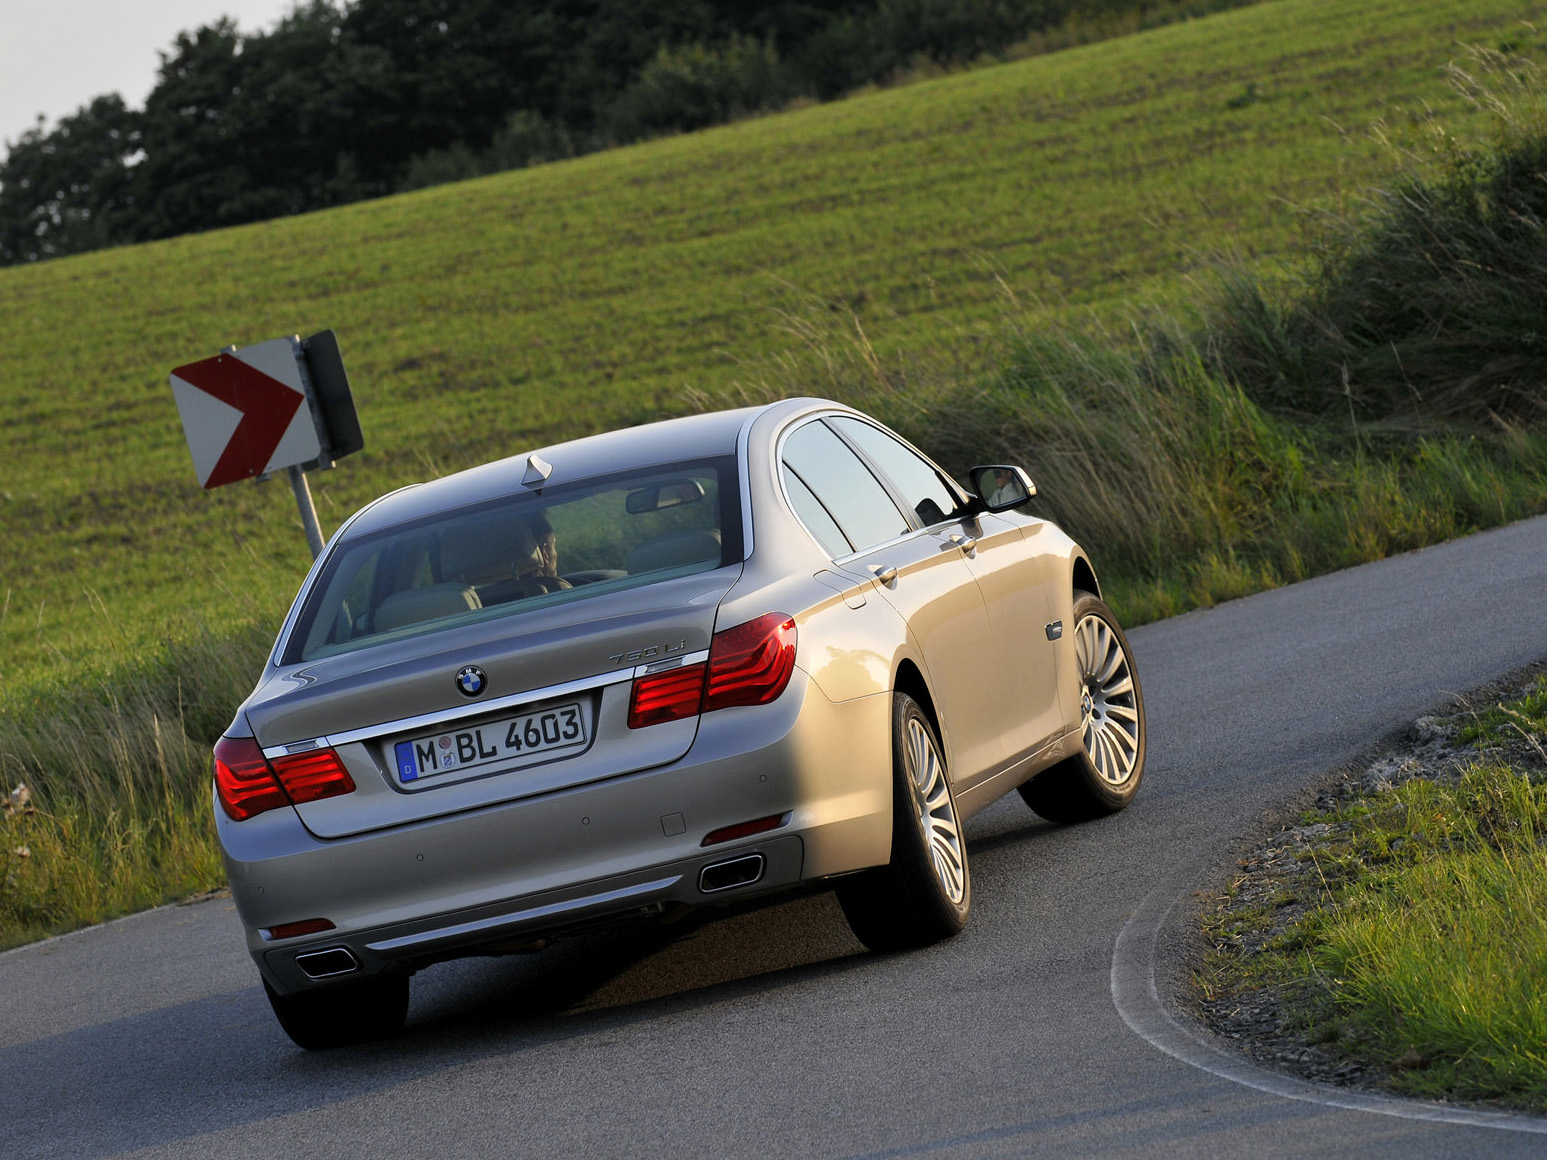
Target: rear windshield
point(521, 552)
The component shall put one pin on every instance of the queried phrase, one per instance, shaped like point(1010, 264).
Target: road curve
point(772, 1033)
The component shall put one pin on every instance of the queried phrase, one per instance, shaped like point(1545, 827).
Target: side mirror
point(1000, 487)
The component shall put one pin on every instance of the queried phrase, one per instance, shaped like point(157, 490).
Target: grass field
point(483, 318)
point(964, 255)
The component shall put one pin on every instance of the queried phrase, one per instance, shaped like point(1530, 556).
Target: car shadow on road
point(90, 1092)
point(706, 955)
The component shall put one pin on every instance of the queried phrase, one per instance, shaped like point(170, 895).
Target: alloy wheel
point(926, 773)
point(1109, 714)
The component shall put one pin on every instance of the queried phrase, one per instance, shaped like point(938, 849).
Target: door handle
point(966, 543)
point(885, 573)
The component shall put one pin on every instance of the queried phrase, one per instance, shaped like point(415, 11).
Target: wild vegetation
point(1408, 945)
point(964, 257)
point(109, 799)
point(1383, 395)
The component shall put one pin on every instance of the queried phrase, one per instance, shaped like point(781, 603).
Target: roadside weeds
point(1389, 936)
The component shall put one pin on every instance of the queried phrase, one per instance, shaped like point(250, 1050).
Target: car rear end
point(459, 750)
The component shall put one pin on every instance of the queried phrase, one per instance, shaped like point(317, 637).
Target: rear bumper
point(771, 865)
point(465, 883)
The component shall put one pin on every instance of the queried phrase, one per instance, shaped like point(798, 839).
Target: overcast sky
point(55, 55)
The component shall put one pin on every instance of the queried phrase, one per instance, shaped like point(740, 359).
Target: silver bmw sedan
point(677, 665)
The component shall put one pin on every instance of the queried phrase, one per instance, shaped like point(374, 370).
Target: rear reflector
point(296, 929)
point(667, 696)
point(243, 780)
point(743, 830)
point(751, 663)
point(317, 773)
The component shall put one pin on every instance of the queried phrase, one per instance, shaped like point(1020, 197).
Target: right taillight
point(748, 665)
point(667, 696)
point(245, 783)
point(751, 663)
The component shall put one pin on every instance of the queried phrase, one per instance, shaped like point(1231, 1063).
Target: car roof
point(648, 445)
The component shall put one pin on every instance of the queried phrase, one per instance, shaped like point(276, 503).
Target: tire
point(344, 1013)
point(923, 895)
point(1104, 775)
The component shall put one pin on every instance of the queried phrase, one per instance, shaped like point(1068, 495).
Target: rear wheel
point(1104, 775)
point(924, 893)
point(344, 1013)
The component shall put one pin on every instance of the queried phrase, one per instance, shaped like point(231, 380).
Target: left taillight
point(317, 773)
point(243, 779)
point(248, 784)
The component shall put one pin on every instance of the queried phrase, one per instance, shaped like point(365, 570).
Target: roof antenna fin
point(537, 470)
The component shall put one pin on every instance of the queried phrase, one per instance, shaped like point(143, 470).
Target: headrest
point(416, 605)
point(489, 548)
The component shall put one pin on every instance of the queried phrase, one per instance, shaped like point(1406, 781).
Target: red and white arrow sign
point(244, 413)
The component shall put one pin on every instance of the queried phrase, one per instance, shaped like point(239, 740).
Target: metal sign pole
point(303, 501)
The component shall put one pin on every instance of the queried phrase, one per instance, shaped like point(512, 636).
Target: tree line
point(350, 99)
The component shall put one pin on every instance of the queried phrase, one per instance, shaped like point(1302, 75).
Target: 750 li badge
point(470, 680)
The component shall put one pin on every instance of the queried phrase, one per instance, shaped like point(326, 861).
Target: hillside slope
point(483, 318)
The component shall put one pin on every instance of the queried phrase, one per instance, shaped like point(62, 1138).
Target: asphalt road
point(772, 1033)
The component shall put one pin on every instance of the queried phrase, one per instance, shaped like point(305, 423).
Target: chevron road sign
point(243, 413)
point(282, 405)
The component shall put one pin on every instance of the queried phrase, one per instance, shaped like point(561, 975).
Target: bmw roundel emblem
point(470, 680)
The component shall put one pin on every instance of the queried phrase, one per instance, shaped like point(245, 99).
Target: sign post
point(281, 405)
point(308, 510)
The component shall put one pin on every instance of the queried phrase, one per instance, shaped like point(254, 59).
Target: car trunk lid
point(549, 712)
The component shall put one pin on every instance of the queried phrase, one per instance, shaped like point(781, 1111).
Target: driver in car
point(547, 550)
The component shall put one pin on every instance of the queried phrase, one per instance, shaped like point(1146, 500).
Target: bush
point(1425, 308)
point(695, 85)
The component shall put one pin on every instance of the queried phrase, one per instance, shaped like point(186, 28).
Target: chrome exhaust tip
point(325, 964)
point(733, 872)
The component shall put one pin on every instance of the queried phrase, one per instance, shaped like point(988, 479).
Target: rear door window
point(819, 522)
point(915, 477)
point(856, 502)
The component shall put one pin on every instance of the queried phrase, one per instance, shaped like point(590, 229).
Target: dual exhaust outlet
point(332, 962)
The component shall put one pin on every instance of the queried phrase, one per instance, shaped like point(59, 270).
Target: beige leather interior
point(431, 602)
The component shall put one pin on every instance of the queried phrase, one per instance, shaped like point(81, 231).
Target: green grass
point(965, 256)
point(1425, 948)
point(484, 318)
point(1524, 717)
point(1444, 960)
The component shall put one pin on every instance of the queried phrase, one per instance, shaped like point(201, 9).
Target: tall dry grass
point(107, 777)
point(1185, 489)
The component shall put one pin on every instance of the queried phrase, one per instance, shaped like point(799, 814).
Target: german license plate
point(540, 731)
